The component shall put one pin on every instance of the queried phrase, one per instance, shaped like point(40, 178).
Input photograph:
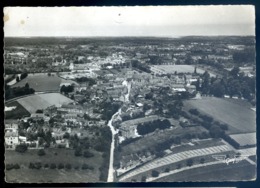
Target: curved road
point(110, 177)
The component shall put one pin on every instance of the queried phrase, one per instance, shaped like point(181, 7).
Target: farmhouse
point(11, 139)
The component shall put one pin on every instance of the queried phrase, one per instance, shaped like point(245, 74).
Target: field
point(239, 118)
point(179, 68)
point(16, 113)
point(245, 139)
point(217, 172)
point(42, 82)
point(42, 101)
point(52, 175)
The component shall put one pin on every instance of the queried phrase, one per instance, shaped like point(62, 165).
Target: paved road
point(173, 158)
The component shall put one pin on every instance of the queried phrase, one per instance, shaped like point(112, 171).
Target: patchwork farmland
point(239, 118)
point(42, 101)
point(43, 82)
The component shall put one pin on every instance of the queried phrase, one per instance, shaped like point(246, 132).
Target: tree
point(167, 170)
point(60, 166)
point(68, 166)
point(17, 79)
point(52, 166)
point(38, 165)
point(41, 152)
point(216, 132)
point(16, 166)
point(27, 86)
point(205, 83)
point(78, 152)
point(88, 154)
point(143, 179)
point(217, 89)
point(23, 75)
point(31, 165)
point(195, 70)
point(155, 173)
point(189, 162)
point(234, 72)
point(21, 148)
point(9, 166)
point(66, 135)
point(84, 166)
point(39, 111)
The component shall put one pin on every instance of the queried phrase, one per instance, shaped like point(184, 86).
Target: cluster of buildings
point(12, 137)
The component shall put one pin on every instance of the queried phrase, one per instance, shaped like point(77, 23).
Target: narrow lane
point(110, 177)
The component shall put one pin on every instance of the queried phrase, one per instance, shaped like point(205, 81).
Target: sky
point(163, 21)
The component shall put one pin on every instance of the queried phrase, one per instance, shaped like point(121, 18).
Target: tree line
point(233, 84)
point(17, 91)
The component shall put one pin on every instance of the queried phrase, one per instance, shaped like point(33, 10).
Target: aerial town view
point(127, 108)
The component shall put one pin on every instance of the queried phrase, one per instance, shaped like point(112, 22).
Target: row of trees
point(156, 173)
point(12, 166)
point(216, 129)
point(68, 166)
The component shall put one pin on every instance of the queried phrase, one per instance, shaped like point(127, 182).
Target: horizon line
point(177, 36)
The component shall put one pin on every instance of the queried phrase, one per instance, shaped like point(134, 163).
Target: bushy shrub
point(16, 166)
point(21, 148)
point(68, 166)
point(155, 173)
point(53, 166)
point(9, 166)
point(60, 166)
point(84, 167)
point(41, 152)
point(38, 165)
point(88, 154)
